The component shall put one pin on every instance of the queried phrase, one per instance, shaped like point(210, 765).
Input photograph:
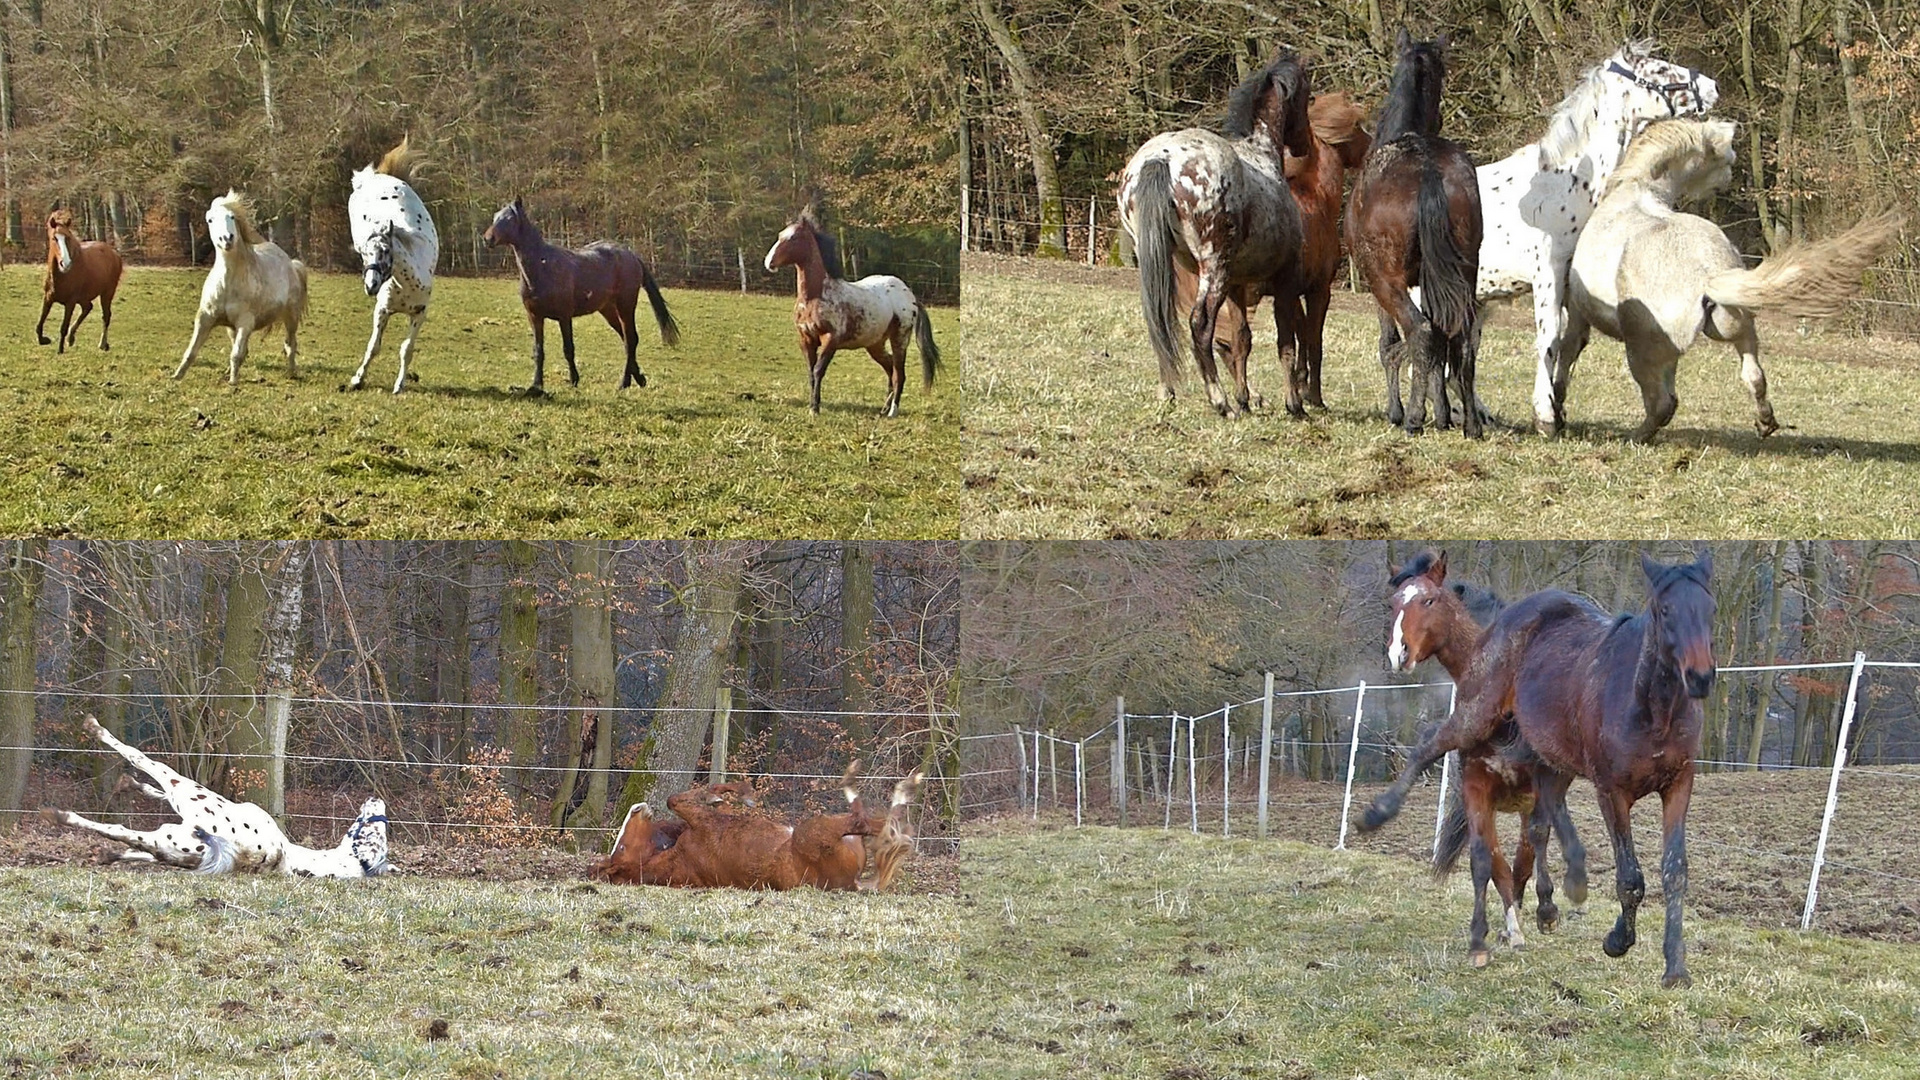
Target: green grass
point(1099, 952)
point(718, 444)
point(1066, 436)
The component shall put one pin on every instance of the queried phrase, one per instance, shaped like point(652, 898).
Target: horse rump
point(929, 352)
point(1155, 228)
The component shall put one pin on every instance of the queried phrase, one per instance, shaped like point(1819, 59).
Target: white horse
point(1536, 200)
point(398, 247)
point(253, 285)
point(1657, 279)
point(218, 835)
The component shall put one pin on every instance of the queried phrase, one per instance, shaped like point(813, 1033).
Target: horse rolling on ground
point(1219, 206)
point(1616, 700)
point(1431, 619)
point(877, 313)
point(252, 286)
point(1414, 218)
point(564, 285)
point(1339, 143)
point(217, 835)
point(1536, 200)
point(1657, 279)
point(398, 247)
point(78, 273)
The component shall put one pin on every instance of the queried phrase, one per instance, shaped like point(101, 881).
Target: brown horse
point(877, 313)
point(564, 285)
point(1431, 619)
point(1414, 219)
point(78, 272)
point(1615, 700)
point(1339, 143)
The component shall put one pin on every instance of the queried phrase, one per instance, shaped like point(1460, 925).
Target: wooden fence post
point(279, 705)
point(1020, 744)
point(722, 734)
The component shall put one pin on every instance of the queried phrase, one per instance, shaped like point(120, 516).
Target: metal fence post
point(1833, 789)
point(1226, 766)
point(1173, 761)
point(1440, 815)
point(1266, 749)
point(1193, 777)
point(1120, 756)
point(1353, 754)
point(1079, 781)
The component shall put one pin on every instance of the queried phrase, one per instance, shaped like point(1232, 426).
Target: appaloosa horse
point(399, 248)
point(78, 272)
point(1414, 218)
point(1616, 700)
point(877, 313)
point(564, 285)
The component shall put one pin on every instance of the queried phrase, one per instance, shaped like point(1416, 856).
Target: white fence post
point(1120, 756)
point(1091, 203)
point(1079, 781)
point(1020, 745)
point(1036, 774)
point(1833, 789)
point(1353, 754)
point(1193, 777)
point(1266, 749)
point(1440, 815)
point(1173, 759)
point(1226, 765)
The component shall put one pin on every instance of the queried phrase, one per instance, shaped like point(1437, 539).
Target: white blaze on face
point(1398, 658)
point(786, 234)
point(66, 257)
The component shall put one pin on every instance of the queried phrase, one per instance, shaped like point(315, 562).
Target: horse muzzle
point(1699, 682)
point(373, 279)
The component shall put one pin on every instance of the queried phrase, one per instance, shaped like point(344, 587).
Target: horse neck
point(1407, 112)
point(1606, 144)
point(1462, 643)
point(812, 278)
point(1657, 685)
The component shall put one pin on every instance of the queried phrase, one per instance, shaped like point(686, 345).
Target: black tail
point(1453, 836)
point(669, 330)
point(1446, 273)
point(1154, 229)
point(929, 352)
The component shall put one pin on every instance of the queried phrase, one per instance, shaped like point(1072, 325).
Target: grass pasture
point(718, 444)
point(1066, 436)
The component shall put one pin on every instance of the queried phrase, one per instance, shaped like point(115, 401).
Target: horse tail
point(1453, 836)
point(1154, 227)
point(1811, 280)
point(1446, 273)
point(399, 161)
point(929, 352)
point(220, 855)
point(299, 304)
point(669, 330)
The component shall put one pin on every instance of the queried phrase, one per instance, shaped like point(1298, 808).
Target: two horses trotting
point(1414, 218)
point(877, 313)
point(1658, 279)
point(252, 286)
point(1615, 700)
point(601, 278)
point(78, 273)
point(1219, 205)
point(398, 247)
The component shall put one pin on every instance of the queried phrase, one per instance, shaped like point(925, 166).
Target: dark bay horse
point(1615, 700)
point(1433, 619)
point(1414, 219)
point(877, 313)
point(78, 272)
point(1219, 205)
point(1339, 143)
point(564, 285)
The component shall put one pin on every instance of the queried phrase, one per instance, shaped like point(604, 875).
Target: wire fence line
point(1140, 776)
point(386, 703)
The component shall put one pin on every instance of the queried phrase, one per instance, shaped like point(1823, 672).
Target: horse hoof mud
point(1480, 958)
point(1617, 943)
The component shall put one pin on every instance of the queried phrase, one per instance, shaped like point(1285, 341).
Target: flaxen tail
point(1155, 226)
point(1811, 280)
point(399, 161)
point(929, 352)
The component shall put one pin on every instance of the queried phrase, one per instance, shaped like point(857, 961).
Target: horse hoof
point(1766, 427)
point(1547, 921)
point(534, 392)
point(1480, 958)
point(1617, 944)
point(45, 340)
point(1676, 980)
point(640, 381)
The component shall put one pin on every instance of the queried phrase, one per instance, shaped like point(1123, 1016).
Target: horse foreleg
point(380, 316)
point(201, 325)
point(66, 322)
point(242, 331)
point(73, 336)
point(1653, 367)
point(414, 322)
point(539, 384)
point(1628, 883)
point(818, 369)
point(40, 331)
point(896, 368)
point(1673, 876)
point(1549, 287)
point(106, 320)
point(292, 347)
point(566, 349)
point(1313, 329)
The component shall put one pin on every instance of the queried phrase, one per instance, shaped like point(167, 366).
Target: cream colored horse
point(254, 284)
point(1656, 279)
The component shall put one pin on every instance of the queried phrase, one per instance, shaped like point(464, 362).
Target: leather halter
point(1666, 90)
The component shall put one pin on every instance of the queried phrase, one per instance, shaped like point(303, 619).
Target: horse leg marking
point(1747, 341)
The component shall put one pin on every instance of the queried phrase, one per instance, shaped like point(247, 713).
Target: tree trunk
point(15, 233)
point(263, 619)
point(1793, 32)
point(1756, 159)
point(1861, 141)
point(519, 668)
point(715, 572)
point(20, 577)
point(1046, 180)
point(856, 638)
point(590, 671)
point(453, 674)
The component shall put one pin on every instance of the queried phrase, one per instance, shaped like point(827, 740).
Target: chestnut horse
point(1220, 205)
point(1339, 143)
point(1431, 619)
point(877, 313)
point(1616, 700)
point(564, 285)
point(1414, 219)
point(78, 272)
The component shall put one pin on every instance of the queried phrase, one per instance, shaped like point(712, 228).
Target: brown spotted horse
point(217, 835)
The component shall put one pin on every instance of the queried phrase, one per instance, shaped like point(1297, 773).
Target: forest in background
point(692, 129)
point(1054, 632)
point(817, 652)
point(1059, 93)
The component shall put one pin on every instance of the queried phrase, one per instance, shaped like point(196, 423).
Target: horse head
point(795, 243)
point(509, 225)
point(376, 257)
point(59, 232)
point(227, 221)
point(1680, 609)
point(1652, 85)
point(366, 838)
point(1276, 98)
point(1425, 611)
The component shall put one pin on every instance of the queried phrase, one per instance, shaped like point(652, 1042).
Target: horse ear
point(1439, 571)
point(1703, 558)
point(1649, 567)
point(519, 204)
point(1402, 41)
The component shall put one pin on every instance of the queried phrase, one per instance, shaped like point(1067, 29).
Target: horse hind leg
point(566, 350)
point(292, 347)
point(1312, 334)
point(1653, 368)
point(163, 844)
point(242, 333)
point(73, 336)
point(66, 328)
point(620, 317)
point(1209, 297)
point(896, 370)
point(1736, 327)
point(106, 320)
